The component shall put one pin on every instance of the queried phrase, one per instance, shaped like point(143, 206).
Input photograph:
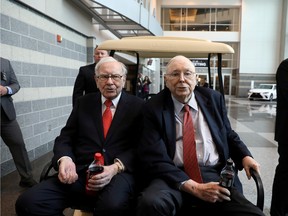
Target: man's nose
point(109, 80)
point(181, 77)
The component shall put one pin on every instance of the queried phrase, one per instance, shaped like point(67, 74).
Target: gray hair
point(110, 59)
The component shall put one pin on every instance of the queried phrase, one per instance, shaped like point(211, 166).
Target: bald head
point(180, 78)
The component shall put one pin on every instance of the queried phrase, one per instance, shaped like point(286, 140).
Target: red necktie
point(107, 117)
point(191, 166)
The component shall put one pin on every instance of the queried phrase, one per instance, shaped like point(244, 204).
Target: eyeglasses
point(176, 75)
point(105, 77)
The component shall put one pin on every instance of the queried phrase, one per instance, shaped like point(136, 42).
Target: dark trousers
point(51, 197)
point(279, 200)
point(160, 199)
point(13, 138)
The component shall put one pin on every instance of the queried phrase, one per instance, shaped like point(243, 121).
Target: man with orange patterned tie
point(84, 135)
point(172, 185)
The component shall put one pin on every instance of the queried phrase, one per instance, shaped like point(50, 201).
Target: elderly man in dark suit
point(74, 149)
point(162, 152)
point(10, 130)
point(85, 82)
point(280, 190)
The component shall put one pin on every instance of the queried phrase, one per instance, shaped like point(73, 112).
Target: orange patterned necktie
point(107, 117)
point(191, 166)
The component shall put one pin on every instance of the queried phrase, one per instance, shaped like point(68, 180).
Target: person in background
point(146, 86)
point(10, 129)
point(85, 82)
point(139, 84)
point(203, 83)
point(77, 143)
point(170, 189)
point(279, 202)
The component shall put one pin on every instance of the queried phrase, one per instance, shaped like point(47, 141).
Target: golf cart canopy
point(168, 47)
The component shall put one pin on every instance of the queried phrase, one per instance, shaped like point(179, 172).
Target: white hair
point(110, 59)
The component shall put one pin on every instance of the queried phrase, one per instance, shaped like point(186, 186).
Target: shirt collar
point(114, 101)
point(193, 103)
point(179, 106)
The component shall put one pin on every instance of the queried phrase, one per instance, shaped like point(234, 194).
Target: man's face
point(180, 78)
point(110, 79)
point(98, 54)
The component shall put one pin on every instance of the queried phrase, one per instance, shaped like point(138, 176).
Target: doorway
point(226, 78)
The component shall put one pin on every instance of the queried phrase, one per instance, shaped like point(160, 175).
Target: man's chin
point(110, 94)
point(182, 92)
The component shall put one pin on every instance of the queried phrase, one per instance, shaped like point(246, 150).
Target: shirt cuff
point(180, 185)
point(120, 165)
point(67, 157)
point(9, 90)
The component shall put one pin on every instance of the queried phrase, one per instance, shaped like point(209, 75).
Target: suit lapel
point(169, 124)
point(209, 113)
point(97, 115)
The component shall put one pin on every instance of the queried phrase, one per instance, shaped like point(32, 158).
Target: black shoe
point(27, 183)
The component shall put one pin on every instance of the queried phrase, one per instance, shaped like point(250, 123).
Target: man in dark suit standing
point(74, 149)
point(280, 190)
point(162, 152)
point(10, 130)
point(85, 82)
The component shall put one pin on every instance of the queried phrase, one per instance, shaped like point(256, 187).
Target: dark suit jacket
point(8, 78)
point(157, 146)
point(85, 82)
point(281, 129)
point(83, 134)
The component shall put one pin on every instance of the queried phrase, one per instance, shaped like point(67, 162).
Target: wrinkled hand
point(210, 192)
point(99, 181)
point(3, 90)
point(249, 162)
point(67, 171)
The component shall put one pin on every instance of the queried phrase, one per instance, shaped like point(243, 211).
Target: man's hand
point(248, 162)
point(3, 90)
point(67, 171)
point(99, 181)
point(210, 192)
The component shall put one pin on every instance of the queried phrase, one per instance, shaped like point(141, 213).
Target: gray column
point(284, 34)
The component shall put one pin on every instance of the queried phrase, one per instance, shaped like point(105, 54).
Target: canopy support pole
point(209, 71)
point(137, 70)
point(221, 87)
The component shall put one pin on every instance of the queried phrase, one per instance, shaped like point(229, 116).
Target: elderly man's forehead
point(180, 59)
point(114, 64)
point(181, 65)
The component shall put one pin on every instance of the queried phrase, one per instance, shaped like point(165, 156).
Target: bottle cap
point(97, 156)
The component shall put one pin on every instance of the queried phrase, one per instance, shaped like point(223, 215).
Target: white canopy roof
point(166, 47)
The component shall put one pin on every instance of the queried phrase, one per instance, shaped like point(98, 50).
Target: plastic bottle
point(227, 175)
point(94, 168)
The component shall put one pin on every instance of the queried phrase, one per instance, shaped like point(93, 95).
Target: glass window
point(200, 19)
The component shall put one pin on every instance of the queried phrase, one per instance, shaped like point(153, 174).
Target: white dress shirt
point(207, 154)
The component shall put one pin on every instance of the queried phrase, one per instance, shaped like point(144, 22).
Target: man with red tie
point(109, 122)
point(174, 181)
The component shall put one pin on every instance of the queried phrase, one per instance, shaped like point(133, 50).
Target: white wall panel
point(260, 41)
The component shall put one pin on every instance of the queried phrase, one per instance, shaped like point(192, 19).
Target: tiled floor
point(10, 189)
point(253, 120)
